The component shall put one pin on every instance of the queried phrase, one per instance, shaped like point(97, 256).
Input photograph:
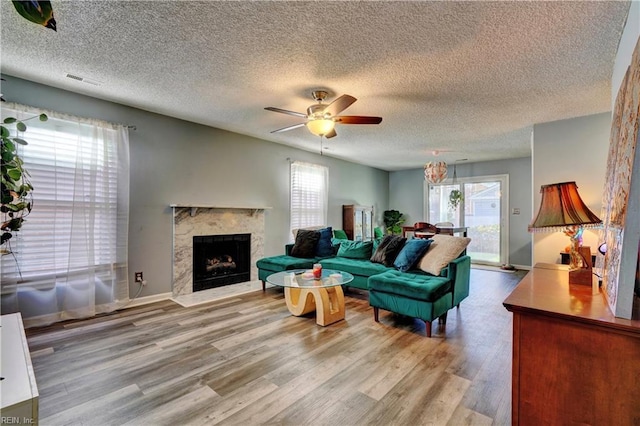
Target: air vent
point(83, 80)
point(75, 77)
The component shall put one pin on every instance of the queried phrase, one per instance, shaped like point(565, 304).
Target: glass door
point(482, 209)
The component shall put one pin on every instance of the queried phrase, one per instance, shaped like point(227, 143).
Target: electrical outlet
point(139, 278)
point(515, 210)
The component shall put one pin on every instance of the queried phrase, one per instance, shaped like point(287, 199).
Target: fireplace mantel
point(194, 207)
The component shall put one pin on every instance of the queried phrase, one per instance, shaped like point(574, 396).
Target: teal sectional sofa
point(415, 293)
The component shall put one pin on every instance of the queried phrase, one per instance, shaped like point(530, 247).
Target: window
point(76, 233)
point(309, 194)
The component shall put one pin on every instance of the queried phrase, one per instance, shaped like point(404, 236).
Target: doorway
point(482, 209)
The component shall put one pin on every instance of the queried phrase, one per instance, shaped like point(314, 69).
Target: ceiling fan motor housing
point(316, 112)
point(319, 95)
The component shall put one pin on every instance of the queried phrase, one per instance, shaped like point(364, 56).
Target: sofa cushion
point(353, 266)
point(305, 245)
point(443, 250)
point(324, 248)
point(411, 253)
point(414, 286)
point(284, 263)
point(388, 249)
point(355, 249)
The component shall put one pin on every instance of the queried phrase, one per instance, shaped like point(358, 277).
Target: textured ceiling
point(468, 79)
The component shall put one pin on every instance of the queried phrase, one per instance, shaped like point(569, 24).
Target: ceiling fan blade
point(339, 105)
point(284, 129)
point(357, 119)
point(331, 134)
point(286, 111)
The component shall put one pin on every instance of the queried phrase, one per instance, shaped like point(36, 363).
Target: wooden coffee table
point(323, 295)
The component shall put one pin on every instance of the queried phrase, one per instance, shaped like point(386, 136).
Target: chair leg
point(375, 314)
point(428, 328)
point(442, 319)
point(263, 285)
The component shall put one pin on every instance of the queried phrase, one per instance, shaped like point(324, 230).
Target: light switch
point(515, 210)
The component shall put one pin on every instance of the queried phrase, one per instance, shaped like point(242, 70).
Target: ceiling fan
point(321, 118)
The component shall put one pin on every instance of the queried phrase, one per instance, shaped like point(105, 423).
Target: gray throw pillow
point(305, 245)
point(388, 249)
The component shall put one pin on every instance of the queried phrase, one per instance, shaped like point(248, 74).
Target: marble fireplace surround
point(190, 221)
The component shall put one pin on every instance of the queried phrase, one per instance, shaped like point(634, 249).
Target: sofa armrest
point(460, 271)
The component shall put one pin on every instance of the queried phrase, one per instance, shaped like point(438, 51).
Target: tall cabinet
point(357, 222)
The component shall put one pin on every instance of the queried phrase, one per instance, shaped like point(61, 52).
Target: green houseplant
point(455, 197)
point(393, 221)
point(16, 189)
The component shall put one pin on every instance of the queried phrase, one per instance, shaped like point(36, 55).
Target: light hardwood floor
point(245, 360)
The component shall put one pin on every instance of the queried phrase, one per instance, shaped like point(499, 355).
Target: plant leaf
point(5, 132)
point(7, 156)
point(14, 174)
point(5, 236)
point(43, 117)
point(9, 120)
point(20, 141)
point(21, 126)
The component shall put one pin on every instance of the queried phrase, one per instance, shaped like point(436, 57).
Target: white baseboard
point(148, 299)
point(523, 267)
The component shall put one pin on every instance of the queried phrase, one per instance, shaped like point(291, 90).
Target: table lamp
point(562, 209)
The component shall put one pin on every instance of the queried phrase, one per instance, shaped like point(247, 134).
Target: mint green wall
point(574, 149)
point(406, 195)
point(175, 161)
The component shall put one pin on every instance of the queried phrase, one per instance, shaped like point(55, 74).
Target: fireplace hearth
point(220, 260)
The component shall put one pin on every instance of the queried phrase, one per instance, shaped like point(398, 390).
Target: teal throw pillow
point(412, 251)
point(377, 232)
point(335, 243)
point(355, 249)
point(340, 234)
point(376, 244)
point(324, 248)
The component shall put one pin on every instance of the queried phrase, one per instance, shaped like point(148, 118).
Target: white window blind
point(76, 233)
point(309, 194)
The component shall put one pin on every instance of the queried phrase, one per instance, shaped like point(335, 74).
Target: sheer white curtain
point(71, 252)
point(309, 194)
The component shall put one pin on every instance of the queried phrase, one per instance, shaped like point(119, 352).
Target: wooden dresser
point(573, 361)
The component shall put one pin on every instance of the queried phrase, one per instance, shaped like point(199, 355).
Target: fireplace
point(220, 260)
point(190, 222)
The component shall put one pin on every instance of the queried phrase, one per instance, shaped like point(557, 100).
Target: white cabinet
point(18, 389)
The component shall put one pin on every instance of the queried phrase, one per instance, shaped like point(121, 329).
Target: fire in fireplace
point(220, 260)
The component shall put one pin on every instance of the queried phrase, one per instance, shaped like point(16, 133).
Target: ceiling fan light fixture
point(321, 126)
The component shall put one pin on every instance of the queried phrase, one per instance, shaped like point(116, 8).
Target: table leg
point(327, 302)
point(331, 307)
point(299, 301)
